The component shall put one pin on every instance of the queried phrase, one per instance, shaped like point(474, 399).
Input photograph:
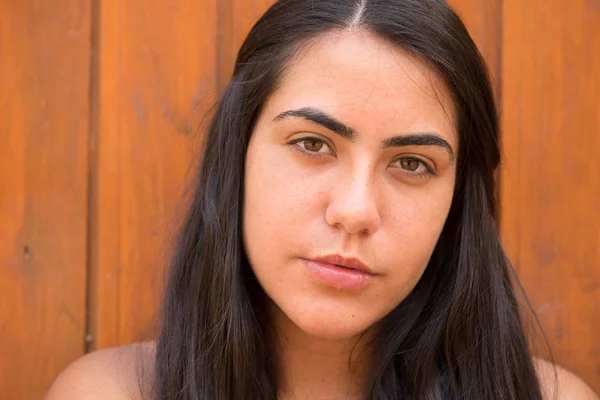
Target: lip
point(346, 262)
point(340, 272)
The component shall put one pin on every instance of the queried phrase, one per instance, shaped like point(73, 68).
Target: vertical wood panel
point(156, 80)
point(483, 19)
point(44, 108)
point(551, 179)
point(236, 18)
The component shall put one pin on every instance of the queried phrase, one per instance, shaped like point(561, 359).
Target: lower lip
point(339, 277)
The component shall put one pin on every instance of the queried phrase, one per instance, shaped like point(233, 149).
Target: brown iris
point(409, 164)
point(313, 145)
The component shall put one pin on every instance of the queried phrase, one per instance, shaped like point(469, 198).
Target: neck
point(318, 368)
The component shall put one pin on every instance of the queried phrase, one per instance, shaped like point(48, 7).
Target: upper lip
point(347, 262)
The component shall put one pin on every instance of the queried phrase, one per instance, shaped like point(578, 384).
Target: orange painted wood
point(236, 18)
point(156, 68)
point(483, 19)
point(156, 80)
point(44, 109)
point(550, 194)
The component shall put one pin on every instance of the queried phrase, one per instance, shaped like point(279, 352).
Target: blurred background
point(101, 108)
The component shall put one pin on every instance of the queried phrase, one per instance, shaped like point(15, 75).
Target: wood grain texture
point(156, 80)
point(156, 68)
point(483, 19)
point(44, 108)
point(236, 18)
point(551, 176)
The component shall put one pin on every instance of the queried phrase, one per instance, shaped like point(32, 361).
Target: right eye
point(311, 146)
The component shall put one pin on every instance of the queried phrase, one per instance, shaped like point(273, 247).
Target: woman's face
point(352, 157)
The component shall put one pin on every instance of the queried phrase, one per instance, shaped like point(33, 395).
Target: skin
point(356, 199)
point(112, 374)
point(329, 194)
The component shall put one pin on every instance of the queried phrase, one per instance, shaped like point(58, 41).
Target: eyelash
point(427, 173)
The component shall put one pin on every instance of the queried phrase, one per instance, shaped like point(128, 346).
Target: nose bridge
point(354, 202)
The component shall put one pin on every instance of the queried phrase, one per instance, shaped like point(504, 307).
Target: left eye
point(414, 166)
point(410, 164)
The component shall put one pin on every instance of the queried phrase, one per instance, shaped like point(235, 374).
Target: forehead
point(368, 83)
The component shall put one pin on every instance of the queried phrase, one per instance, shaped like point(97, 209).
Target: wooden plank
point(236, 18)
point(483, 19)
point(44, 107)
point(156, 81)
point(551, 178)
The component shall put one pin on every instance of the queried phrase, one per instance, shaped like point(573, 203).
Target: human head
point(363, 193)
point(216, 310)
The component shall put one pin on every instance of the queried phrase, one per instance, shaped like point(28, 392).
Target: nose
point(353, 206)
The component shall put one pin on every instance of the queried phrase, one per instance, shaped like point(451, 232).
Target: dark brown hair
point(458, 335)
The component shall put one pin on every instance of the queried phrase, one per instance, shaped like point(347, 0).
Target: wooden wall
point(100, 103)
point(551, 177)
point(155, 76)
point(44, 122)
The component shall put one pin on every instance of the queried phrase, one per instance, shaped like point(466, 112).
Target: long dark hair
point(458, 335)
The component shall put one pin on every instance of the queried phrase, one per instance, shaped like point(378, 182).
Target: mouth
point(340, 275)
point(341, 266)
point(351, 263)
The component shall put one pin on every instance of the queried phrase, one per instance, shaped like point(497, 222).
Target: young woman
point(341, 243)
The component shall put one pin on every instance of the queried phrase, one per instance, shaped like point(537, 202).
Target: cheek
point(278, 204)
point(413, 230)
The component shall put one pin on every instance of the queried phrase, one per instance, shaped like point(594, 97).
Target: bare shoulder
point(560, 384)
point(115, 373)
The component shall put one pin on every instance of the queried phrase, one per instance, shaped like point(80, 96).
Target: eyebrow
point(347, 132)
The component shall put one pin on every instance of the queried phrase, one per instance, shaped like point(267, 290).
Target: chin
point(330, 324)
